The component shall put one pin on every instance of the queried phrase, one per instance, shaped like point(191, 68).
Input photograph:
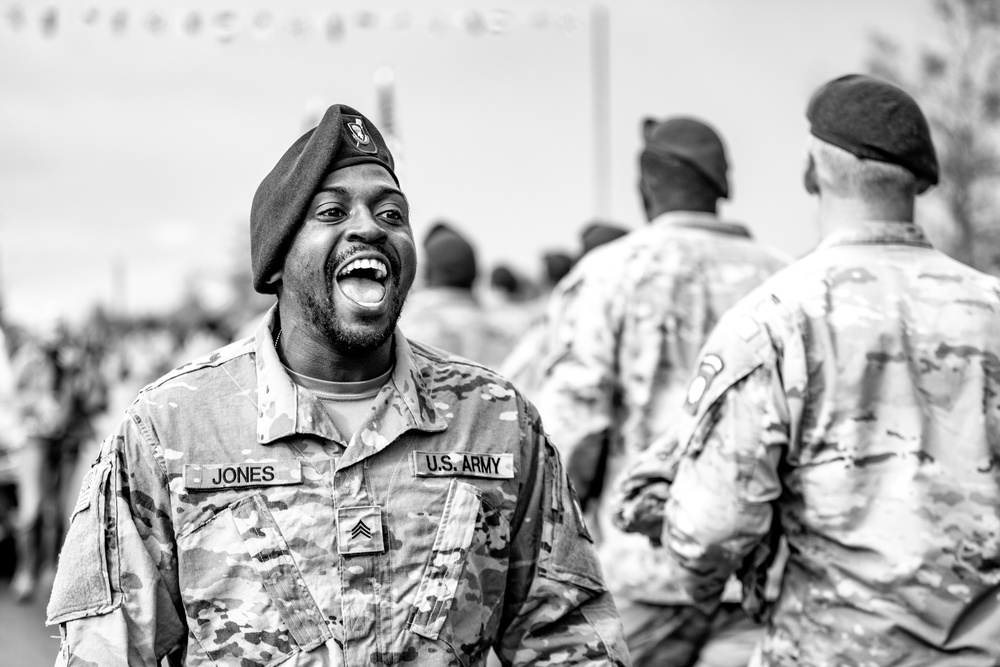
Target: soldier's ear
point(648, 125)
point(809, 177)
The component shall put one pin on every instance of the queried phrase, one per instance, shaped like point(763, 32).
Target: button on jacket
point(853, 403)
point(227, 517)
point(624, 330)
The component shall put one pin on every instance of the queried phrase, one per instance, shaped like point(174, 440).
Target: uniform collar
point(285, 408)
point(701, 220)
point(877, 232)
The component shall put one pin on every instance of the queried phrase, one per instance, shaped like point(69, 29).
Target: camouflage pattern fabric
point(453, 320)
point(624, 330)
point(305, 547)
point(852, 403)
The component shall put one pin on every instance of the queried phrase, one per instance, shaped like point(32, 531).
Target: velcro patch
point(462, 464)
point(359, 530)
point(83, 500)
point(711, 365)
point(234, 475)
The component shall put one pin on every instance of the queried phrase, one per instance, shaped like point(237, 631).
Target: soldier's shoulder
point(240, 350)
point(449, 373)
point(769, 254)
point(436, 361)
point(948, 270)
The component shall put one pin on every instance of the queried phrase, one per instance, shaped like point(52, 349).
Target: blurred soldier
point(506, 284)
point(624, 330)
point(446, 313)
point(523, 365)
point(59, 390)
point(11, 441)
point(329, 493)
point(852, 403)
point(597, 234)
point(557, 264)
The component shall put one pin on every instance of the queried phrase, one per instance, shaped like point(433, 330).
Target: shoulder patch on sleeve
point(711, 365)
point(738, 345)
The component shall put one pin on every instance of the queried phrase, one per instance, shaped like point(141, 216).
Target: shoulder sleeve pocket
point(82, 586)
point(567, 553)
point(440, 583)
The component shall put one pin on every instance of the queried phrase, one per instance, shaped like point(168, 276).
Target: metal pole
point(384, 79)
point(600, 56)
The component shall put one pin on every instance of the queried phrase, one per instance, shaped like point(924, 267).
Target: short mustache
point(357, 249)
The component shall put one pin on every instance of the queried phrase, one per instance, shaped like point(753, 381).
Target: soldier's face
point(352, 262)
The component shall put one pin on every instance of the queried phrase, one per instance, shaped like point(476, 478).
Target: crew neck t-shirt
point(347, 403)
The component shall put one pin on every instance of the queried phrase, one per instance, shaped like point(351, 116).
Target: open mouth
point(364, 281)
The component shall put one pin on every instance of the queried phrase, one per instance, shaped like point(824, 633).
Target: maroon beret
point(343, 138)
point(874, 120)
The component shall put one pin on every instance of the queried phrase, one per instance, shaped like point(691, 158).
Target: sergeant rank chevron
point(361, 528)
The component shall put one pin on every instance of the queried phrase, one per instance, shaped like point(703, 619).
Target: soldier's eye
point(329, 211)
point(392, 214)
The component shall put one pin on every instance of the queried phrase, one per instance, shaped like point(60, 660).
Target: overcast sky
point(131, 145)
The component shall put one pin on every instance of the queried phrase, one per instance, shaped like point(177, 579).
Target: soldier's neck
point(837, 212)
point(671, 204)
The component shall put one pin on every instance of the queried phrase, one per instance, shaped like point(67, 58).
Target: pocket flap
point(439, 584)
point(280, 575)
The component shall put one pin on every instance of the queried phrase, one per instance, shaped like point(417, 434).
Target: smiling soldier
point(328, 492)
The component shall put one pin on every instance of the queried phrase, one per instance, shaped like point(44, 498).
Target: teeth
point(374, 264)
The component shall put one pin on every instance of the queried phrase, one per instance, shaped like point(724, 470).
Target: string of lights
point(226, 25)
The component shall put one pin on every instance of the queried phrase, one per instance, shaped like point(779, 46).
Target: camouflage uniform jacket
point(228, 522)
point(853, 403)
point(624, 330)
point(453, 320)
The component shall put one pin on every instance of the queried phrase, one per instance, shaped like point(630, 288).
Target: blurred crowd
point(64, 387)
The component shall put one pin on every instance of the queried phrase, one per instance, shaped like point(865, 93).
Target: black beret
point(343, 138)
point(874, 120)
point(694, 143)
point(598, 233)
point(504, 279)
point(451, 260)
point(557, 265)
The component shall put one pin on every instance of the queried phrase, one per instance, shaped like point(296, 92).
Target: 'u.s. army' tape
point(462, 464)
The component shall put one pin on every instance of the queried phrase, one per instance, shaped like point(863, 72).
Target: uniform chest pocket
point(244, 595)
point(466, 573)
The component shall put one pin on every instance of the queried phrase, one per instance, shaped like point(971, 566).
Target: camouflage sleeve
point(578, 389)
point(557, 609)
point(719, 511)
point(639, 495)
point(115, 595)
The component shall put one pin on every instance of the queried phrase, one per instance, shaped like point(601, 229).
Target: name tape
point(462, 464)
point(232, 475)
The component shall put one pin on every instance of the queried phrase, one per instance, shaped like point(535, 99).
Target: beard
point(347, 339)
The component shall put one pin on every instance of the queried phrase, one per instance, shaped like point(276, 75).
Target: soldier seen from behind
point(329, 492)
point(624, 330)
point(852, 405)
